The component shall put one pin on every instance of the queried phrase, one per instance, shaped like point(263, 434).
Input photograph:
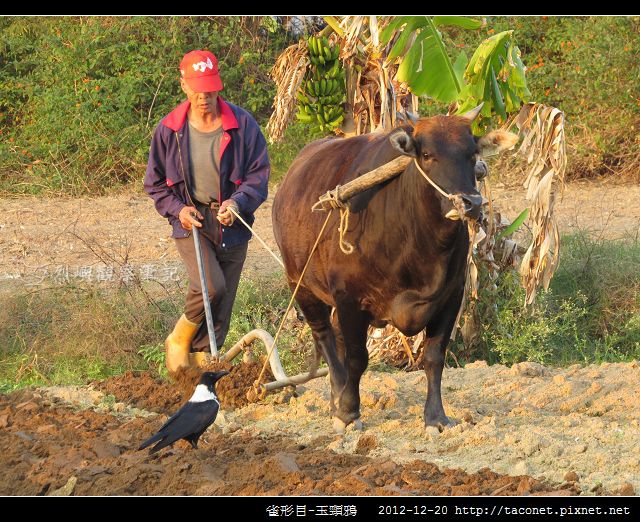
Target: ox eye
point(426, 156)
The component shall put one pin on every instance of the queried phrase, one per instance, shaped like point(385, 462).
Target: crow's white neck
point(203, 394)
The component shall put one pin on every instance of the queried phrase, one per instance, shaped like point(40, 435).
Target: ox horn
point(473, 113)
point(413, 118)
point(407, 117)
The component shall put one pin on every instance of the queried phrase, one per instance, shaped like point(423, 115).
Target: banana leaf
point(515, 225)
point(495, 75)
point(426, 67)
point(459, 21)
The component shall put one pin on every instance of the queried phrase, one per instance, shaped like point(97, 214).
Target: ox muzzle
point(465, 206)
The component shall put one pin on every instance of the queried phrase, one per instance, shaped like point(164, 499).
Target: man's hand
point(187, 220)
point(225, 216)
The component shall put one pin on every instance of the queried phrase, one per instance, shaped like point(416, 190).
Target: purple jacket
point(244, 168)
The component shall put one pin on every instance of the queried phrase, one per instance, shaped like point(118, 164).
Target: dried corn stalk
point(544, 146)
point(373, 95)
point(391, 347)
point(288, 73)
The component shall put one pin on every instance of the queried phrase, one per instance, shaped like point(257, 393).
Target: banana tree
point(387, 68)
point(495, 74)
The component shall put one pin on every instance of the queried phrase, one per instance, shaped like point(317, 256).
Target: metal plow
point(277, 370)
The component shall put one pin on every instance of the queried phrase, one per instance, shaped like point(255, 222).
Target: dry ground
point(60, 237)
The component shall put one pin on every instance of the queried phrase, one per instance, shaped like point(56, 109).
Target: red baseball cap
point(200, 71)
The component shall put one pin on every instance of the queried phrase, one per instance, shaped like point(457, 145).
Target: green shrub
point(589, 68)
point(550, 332)
point(154, 355)
point(590, 313)
point(80, 97)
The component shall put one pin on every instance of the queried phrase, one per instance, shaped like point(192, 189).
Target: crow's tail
point(148, 442)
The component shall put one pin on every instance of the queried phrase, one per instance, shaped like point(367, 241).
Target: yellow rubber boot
point(200, 359)
point(178, 344)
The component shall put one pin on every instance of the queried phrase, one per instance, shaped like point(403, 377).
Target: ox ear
point(495, 142)
point(403, 142)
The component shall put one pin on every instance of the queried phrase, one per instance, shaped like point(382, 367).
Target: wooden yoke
point(337, 197)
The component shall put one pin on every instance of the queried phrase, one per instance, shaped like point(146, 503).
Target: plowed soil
point(49, 446)
point(525, 430)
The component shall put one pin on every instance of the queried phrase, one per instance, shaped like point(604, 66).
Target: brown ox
point(409, 264)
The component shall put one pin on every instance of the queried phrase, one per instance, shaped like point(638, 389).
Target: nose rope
point(456, 201)
point(431, 182)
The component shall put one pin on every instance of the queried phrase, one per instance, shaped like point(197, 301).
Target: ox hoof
point(431, 432)
point(340, 427)
point(441, 424)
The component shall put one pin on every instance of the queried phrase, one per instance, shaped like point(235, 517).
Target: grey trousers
point(223, 268)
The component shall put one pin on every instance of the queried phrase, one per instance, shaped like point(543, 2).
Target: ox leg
point(317, 315)
point(339, 337)
point(336, 389)
point(438, 334)
point(353, 325)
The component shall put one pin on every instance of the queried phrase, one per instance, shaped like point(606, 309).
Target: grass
point(591, 313)
point(75, 334)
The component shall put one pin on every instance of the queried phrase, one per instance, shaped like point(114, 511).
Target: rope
point(432, 183)
point(257, 236)
point(458, 203)
point(472, 227)
point(275, 339)
point(345, 246)
point(293, 296)
point(329, 201)
point(332, 200)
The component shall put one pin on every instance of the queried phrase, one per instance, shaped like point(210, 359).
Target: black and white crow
point(192, 420)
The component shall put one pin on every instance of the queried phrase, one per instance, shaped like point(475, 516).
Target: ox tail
point(314, 363)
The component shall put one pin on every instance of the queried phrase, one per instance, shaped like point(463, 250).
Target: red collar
point(177, 117)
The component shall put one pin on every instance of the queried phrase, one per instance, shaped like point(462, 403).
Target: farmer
point(207, 158)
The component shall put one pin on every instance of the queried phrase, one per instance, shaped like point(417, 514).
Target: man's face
point(202, 102)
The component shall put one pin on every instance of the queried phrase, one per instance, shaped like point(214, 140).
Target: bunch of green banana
point(323, 87)
point(322, 94)
point(320, 53)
